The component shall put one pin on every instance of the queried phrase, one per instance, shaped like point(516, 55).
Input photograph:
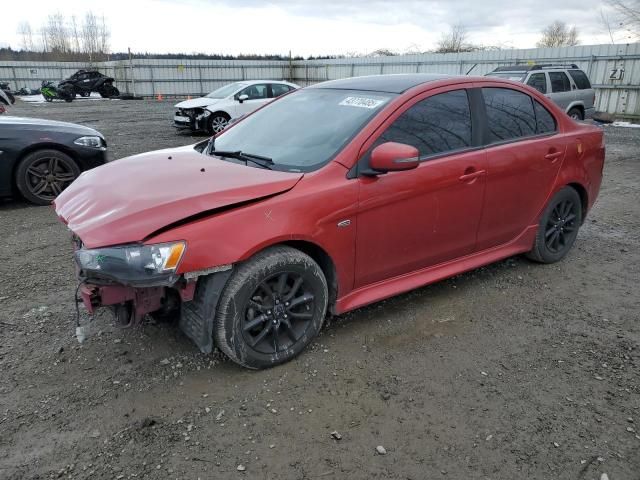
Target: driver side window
point(254, 92)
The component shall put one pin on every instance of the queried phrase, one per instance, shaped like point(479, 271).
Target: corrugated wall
point(195, 77)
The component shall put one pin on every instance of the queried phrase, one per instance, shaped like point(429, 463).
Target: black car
point(40, 158)
point(83, 82)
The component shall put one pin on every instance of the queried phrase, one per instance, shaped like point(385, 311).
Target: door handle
point(553, 156)
point(468, 177)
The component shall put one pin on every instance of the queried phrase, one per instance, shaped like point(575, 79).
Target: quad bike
point(83, 82)
point(50, 92)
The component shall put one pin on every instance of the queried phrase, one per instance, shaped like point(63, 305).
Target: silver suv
point(566, 85)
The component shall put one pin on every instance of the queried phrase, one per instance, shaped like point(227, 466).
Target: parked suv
point(566, 85)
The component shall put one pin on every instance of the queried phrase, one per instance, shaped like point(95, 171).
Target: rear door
point(524, 154)
point(561, 92)
point(417, 218)
point(584, 92)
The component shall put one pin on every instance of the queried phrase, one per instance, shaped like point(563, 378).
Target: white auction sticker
point(362, 102)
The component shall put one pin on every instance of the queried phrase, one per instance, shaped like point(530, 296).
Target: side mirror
point(243, 97)
point(393, 157)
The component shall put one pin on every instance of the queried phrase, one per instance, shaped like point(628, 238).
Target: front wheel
point(108, 91)
point(558, 227)
point(218, 122)
point(271, 308)
point(42, 175)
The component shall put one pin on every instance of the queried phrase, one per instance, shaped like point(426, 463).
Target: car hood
point(44, 126)
point(197, 102)
point(130, 199)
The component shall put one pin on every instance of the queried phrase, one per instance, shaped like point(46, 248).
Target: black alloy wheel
point(279, 313)
point(44, 174)
point(558, 227)
point(271, 308)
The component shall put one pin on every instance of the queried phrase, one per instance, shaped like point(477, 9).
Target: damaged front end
point(194, 119)
point(137, 280)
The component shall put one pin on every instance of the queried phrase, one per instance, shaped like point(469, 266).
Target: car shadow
point(17, 203)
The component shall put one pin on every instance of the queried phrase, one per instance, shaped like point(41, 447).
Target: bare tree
point(559, 34)
point(627, 16)
point(455, 41)
point(26, 36)
point(57, 33)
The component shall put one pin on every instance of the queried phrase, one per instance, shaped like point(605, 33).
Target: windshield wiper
point(264, 162)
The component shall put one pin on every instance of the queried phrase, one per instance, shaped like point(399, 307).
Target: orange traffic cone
point(159, 97)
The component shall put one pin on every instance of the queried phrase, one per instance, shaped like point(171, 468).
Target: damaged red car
point(330, 198)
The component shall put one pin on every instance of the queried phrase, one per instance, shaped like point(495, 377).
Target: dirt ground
point(513, 371)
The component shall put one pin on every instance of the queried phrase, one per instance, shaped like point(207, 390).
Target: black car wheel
point(271, 308)
point(108, 91)
point(85, 94)
point(576, 114)
point(558, 227)
point(42, 175)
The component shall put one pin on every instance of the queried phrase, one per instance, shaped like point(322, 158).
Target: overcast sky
point(312, 27)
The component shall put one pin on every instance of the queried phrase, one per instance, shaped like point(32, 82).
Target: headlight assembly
point(136, 265)
point(91, 141)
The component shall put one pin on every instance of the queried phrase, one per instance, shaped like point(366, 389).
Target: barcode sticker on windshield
point(362, 102)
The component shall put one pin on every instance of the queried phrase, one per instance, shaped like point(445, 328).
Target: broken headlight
point(138, 265)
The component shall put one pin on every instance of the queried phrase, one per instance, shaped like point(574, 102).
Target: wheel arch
point(584, 197)
point(220, 112)
point(318, 254)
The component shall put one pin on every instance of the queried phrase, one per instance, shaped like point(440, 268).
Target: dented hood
point(200, 102)
point(127, 200)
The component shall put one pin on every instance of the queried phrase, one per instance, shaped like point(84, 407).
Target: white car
point(213, 112)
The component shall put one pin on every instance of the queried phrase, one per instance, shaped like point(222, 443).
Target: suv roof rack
point(528, 68)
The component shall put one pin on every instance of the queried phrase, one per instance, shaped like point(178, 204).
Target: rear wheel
point(41, 176)
point(107, 91)
point(576, 114)
point(271, 308)
point(558, 227)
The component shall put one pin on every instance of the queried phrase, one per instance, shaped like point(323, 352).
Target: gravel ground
point(511, 371)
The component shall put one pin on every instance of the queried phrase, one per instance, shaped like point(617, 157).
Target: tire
point(37, 167)
point(217, 122)
point(85, 94)
point(576, 114)
point(108, 91)
point(258, 330)
point(558, 227)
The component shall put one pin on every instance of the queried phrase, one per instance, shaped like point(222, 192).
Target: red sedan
point(330, 198)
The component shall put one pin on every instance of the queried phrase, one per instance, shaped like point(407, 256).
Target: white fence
point(614, 71)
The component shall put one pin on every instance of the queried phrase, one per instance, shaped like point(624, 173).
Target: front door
point(257, 94)
point(417, 218)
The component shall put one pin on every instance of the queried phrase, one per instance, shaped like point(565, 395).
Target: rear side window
point(580, 79)
point(559, 82)
point(545, 123)
point(510, 114)
point(438, 124)
point(538, 81)
point(278, 89)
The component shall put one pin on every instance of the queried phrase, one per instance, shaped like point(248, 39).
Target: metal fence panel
point(615, 93)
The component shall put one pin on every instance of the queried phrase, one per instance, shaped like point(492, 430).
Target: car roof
point(253, 82)
point(390, 83)
point(539, 67)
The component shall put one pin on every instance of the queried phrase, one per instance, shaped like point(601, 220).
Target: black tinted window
point(538, 81)
point(509, 114)
point(559, 82)
point(437, 124)
point(580, 79)
point(279, 89)
point(545, 123)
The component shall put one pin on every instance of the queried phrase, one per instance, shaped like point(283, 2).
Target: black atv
point(83, 82)
point(4, 86)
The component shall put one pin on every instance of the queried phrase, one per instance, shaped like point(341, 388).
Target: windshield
point(227, 90)
point(515, 76)
point(305, 129)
